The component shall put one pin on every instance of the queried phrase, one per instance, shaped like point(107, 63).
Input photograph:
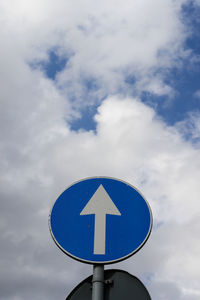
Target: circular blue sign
point(100, 220)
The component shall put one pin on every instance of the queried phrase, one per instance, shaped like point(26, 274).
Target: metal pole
point(98, 282)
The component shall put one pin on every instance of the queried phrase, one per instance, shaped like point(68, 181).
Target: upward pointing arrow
point(100, 205)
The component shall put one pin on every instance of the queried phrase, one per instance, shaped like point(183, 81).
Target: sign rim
point(109, 261)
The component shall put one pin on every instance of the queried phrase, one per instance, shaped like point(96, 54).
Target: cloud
point(131, 143)
point(197, 94)
point(104, 42)
point(113, 51)
point(190, 127)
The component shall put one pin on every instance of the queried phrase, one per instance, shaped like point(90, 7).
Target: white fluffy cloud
point(107, 42)
point(131, 144)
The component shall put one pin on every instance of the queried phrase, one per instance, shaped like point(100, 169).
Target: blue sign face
point(100, 220)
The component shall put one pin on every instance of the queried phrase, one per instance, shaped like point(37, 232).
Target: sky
point(99, 88)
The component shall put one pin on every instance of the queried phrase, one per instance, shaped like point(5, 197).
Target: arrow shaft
point(100, 234)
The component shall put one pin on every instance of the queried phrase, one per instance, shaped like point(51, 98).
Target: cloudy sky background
point(94, 88)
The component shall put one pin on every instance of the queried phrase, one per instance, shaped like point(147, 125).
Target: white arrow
point(100, 205)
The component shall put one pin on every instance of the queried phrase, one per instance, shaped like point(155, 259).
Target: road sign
point(100, 220)
point(119, 285)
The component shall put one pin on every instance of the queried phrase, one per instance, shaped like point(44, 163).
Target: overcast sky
point(108, 88)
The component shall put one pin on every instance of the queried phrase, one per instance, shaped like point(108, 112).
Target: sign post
point(98, 282)
point(100, 220)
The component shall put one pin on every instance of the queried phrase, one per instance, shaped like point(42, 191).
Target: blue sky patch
point(186, 80)
point(86, 120)
point(53, 65)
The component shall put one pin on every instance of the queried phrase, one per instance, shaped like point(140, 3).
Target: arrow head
point(100, 204)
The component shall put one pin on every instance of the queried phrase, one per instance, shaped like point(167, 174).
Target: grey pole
point(98, 282)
